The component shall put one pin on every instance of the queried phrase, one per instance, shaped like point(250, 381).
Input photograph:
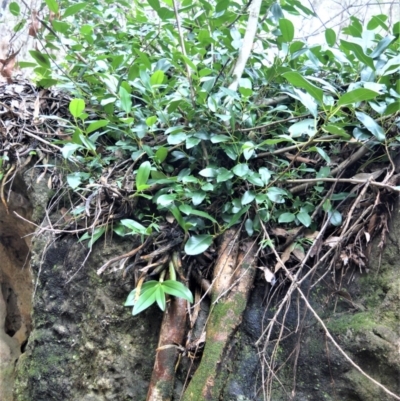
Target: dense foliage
point(156, 122)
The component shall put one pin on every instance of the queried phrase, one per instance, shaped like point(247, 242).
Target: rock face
point(85, 345)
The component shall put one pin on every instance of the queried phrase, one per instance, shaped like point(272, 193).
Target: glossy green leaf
point(14, 8)
point(161, 154)
point(335, 218)
point(357, 95)
point(297, 80)
point(87, 143)
point(126, 101)
point(177, 289)
point(143, 175)
point(330, 37)
point(94, 126)
point(287, 29)
point(336, 130)
point(160, 297)
point(53, 5)
point(76, 107)
point(371, 126)
point(286, 217)
point(224, 175)
point(166, 200)
point(198, 244)
point(392, 108)
point(358, 52)
point(157, 78)
point(178, 217)
point(150, 121)
point(146, 299)
point(276, 195)
point(303, 127)
point(248, 225)
point(187, 209)
point(241, 170)
point(382, 46)
point(93, 236)
point(42, 59)
point(134, 226)
point(304, 218)
point(219, 138)
point(248, 197)
point(377, 20)
point(208, 172)
point(235, 218)
point(75, 8)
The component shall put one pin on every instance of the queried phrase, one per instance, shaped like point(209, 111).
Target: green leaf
point(74, 180)
point(357, 95)
point(126, 101)
point(304, 218)
point(87, 143)
point(151, 120)
point(161, 154)
point(358, 52)
point(276, 194)
point(392, 108)
point(198, 244)
point(382, 46)
point(143, 175)
point(299, 81)
point(224, 174)
point(336, 130)
point(371, 126)
point(287, 29)
point(241, 170)
point(71, 10)
point(330, 37)
point(96, 125)
point(286, 217)
point(219, 138)
point(248, 225)
point(160, 297)
point(377, 20)
point(178, 217)
point(177, 289)
point(222, 5)
point(335, 218)
point(265, 175)
point(146, 299)
point(69, 149)
point(134, 226)
point(155, 4)
point(187, 209)
point(157, 78)
point(166, 200)
point(304, 127)
point(42, 59)
point(14, 8)
point(76, 107)
point(53, 5)
point(208, 172)
point(97, 233)
point(323, 154)
point(248, 197)
point(235, 218)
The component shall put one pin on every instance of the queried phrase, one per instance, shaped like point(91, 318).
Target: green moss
point(358, 322)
